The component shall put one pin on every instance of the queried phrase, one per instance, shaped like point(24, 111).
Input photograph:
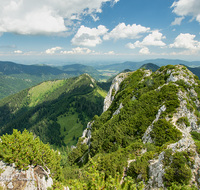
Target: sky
point(125, 30)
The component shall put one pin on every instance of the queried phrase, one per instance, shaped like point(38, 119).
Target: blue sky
point(125, 30)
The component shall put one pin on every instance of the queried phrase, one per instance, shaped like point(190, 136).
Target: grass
point(39, 92)
point(69, 122)
point(103, 93)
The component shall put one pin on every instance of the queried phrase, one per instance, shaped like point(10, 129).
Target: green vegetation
point(60, 114)
point(140, 166)
point(163, 132)
point(51, 106)
point(23, 150)
point(16, 77)
point(183, 120)
point(179, 172)
point(196, 137)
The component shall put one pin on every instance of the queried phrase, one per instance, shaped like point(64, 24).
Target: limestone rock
point(114, 86)
point(35, 178)
point(118, 110)
point(87, 134)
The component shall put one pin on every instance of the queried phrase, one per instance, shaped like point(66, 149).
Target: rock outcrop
point(115, 86)
point(35, 178)
point(156, 167)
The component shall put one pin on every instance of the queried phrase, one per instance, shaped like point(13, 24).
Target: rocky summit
point(149, 129)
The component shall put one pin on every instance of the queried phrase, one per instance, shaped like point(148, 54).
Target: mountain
point(147, 134)
point(118, 67)
point(56, 110)
point(16, 77)
point(150, 66)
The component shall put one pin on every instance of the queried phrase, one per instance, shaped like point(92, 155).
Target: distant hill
point(150, 66)
point(16, 77)
point(57, 111)
point(136, 65)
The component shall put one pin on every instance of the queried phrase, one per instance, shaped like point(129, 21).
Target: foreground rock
point(35, 178)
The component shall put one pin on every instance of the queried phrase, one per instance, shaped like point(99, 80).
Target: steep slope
point(16, 77)
point(56, 111)
point(149, 129)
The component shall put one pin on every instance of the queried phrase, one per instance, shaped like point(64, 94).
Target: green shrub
point(183, 120)
point(179, 171)
point(23, 150)
point(163, 132)
point(195, 135)
point(140, 167)
point(113, 92)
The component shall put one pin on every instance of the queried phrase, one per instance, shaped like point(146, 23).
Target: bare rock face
point(115, 86)
point(87, 134)
point(35, 178)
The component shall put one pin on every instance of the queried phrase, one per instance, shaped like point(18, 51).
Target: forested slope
point(16, 77)
point(56, 111)
point(149, 130)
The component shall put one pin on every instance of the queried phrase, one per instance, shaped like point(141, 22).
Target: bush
point(178, 171)
point(24, 150)
point(184, 120)
point(163, 132)
point(140, 167)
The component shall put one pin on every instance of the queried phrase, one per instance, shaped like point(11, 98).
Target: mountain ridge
point(140, 107)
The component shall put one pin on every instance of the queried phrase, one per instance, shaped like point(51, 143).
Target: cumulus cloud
point(77, 50)
point(47, 17)
point(153, 39)
point(186, 41)
point(86, 36)
point(144, 50)
point(177, 21)
point(187, 8)
point(122, 31)
point(52, 50)
point(18, 51)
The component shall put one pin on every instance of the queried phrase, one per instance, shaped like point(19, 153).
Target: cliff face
point(161, 110)
point(32, 179)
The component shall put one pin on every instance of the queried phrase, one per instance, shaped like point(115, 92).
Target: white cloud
point(89, 36)
point(47, 17)
point(188, 52)
point(177, 21)
point(187, 8)
point(130, 46)
point(153, 39)
point(52, 50)
point(186, 41)
point(77, 50)
point(18, 51)
point(123, 31)
point(110, 53)
point(144, 50)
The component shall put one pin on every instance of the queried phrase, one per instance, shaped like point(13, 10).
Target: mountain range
point(143, 133)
